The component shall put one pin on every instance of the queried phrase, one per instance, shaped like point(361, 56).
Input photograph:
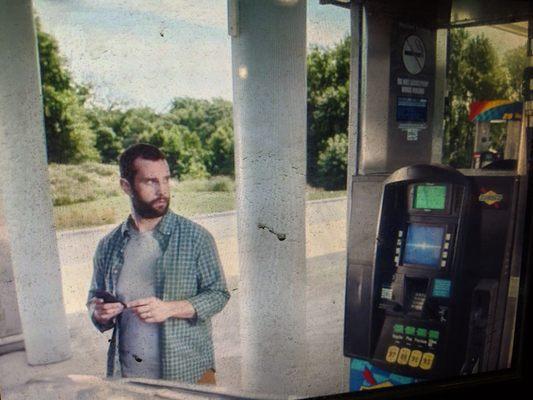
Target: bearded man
point(157, 281)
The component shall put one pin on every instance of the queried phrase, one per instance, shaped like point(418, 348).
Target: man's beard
point(146, 209)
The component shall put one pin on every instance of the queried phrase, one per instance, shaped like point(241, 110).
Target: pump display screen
point(423, 245)
point(431, 197)
point(411, 109)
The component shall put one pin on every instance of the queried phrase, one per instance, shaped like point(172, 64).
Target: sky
point(147, 52)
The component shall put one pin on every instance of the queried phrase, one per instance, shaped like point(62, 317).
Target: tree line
point(197, 134)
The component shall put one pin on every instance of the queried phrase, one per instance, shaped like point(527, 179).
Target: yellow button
point(414, 360)
point(403, 357)
point(392, 354)
point(427, 361)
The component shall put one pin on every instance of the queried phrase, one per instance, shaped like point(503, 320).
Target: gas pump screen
point(423, 245)
point(430, 197)
point(411, 109)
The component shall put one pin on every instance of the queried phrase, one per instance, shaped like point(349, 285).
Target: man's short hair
point(139, 150)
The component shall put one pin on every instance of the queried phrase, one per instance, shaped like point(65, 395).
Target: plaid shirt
point(189, 268)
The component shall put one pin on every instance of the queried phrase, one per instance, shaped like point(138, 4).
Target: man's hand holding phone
point(106, 307)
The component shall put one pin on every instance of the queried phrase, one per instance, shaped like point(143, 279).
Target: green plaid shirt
point(190, 269)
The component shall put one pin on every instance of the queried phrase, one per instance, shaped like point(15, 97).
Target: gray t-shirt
point(138, 341)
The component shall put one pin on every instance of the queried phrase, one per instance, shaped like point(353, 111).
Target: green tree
point(184, 151)
point(515, 61)
point(105, 123)
point(484, 77)
point(328, 71)
point(69, 138)
point(474, 73)
point(137, 123)
point(332, 162)
point(110, 117)
point(221, 151)
point(211, 121)
point(175, 132)
point(108, 144)
point(200, 115)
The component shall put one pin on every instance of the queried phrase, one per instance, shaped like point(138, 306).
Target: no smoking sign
point(413, 54)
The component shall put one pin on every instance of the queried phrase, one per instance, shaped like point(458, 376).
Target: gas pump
point(431, 251)
point(441, 245)
point(420, 235)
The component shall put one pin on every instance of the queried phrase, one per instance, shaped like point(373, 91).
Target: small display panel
point(430, 197)
point(423, 245)
point(441, 288)
point(411, 109)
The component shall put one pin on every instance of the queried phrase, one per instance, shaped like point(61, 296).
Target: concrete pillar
point(373, 151)
point(437, 136)
point(25, 190)
point(356, 10)
point(524, 227)
point(11, 338)
point(269, 93)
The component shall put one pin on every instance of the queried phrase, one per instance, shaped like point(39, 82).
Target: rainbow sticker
point(486, 111)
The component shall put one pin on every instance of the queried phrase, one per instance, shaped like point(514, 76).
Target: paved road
point(326, 261)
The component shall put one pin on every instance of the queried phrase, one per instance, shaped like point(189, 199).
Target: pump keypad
point(412, 346)
point(418, 301)
point(392, 354)
point(427, 361)
point(403, 357)
point(414, 360)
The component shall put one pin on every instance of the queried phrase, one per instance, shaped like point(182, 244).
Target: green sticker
point(398, 328)
point(410, 330)
point(434, 335)
point(421, 332)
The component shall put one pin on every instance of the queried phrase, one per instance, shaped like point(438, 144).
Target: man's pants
point(208, 378)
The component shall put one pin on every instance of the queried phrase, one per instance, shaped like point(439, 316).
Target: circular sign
point(413, 54)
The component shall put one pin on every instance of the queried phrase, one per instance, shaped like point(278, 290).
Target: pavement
point(326, 269)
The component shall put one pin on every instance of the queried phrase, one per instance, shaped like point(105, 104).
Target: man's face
point(150, 194)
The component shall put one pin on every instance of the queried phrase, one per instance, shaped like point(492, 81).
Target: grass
point(73, 184)
point(313, 193)
point(89, 195)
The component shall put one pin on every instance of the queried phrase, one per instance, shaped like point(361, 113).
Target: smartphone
point(108, 297)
